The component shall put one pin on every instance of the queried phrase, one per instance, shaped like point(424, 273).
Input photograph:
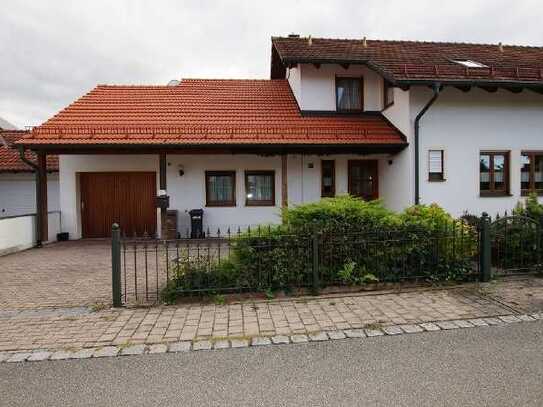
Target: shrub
point(359, 243)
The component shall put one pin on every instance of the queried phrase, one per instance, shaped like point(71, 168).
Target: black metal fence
point(269, 258)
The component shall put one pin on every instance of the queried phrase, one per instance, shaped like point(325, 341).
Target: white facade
point(188, 192)
point(18, 193)
point(19, 233)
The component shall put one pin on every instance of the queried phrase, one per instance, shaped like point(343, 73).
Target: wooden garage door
point(126, 198)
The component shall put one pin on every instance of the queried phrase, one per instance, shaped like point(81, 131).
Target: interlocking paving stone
point(133, 350)
point(447, 325)
point(429, 326)
point(537, 315)
point(239, 343)
point(39, 356)
point(373, 332)
point(393, 330)
point(4, 356)
point(279, 339)
point(260, 341)
point(526, 318)
point(463, 324)
point(202, 345)
point(509, 319)
point(318, 337)
point(158, 348)
point(299, 338)
point(336, 335)
point(478, 322)
point(183, 346)
point(106, 352)
point(61, 355)
point(18, 357)
point(355, 333)
point(222, 344)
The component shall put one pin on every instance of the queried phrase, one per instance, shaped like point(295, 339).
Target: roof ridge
point(407, 41)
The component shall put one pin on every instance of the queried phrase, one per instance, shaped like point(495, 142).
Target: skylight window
point(469, 63)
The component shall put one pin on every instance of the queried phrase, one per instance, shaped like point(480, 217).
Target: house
point(403, 121)
point(17, 179)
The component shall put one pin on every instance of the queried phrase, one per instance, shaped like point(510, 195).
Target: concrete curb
point(259, 341)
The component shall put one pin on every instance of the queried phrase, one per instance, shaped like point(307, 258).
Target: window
point(220, 188)
point(328, 178)
point(494, 173)
point(435, 165)
point(469, 63)
point(531, 173)
point(388, 94)
point(260, 188)
point(349, 94)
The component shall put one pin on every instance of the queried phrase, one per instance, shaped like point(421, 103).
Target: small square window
point(469, 63)
point(349, 94)
point(220, 188)
point(260, 188)
point(435, 165)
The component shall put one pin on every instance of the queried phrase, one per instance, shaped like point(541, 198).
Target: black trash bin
point(196, 223)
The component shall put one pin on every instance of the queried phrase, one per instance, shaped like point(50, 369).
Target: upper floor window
point(349, 93)
point(494, 173)
point(531, 173)
point(388, 94)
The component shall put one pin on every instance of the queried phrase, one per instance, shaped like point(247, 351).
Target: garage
point(126, 198)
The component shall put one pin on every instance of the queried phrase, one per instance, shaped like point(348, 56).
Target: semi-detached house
point(406, 122)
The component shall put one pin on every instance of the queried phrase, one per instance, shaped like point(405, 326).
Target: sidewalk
point(75, 328)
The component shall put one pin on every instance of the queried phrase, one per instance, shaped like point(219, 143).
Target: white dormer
point(334, 88)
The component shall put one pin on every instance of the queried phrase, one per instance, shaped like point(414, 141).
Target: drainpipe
point(38, 193)
point(436, 87)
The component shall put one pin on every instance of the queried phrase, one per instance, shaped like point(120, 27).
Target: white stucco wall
point(18, 193)
point(188, 191)
point(70, 165)
point(463, 124)
point(19, 233)
point(315, 89)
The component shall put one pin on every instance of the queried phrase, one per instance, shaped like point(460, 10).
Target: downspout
point(436, 87)
point(38, 192)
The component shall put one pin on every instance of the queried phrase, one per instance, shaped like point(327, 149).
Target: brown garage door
point(126, 198)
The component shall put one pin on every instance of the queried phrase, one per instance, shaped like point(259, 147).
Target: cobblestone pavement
point(63, 274)
point(79, 327)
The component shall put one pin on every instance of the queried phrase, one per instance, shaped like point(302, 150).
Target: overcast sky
point(52, 52)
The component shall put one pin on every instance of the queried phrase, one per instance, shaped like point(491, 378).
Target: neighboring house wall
point(18, 193)
point(463, 124)
point(315, 88)
point(188, 191)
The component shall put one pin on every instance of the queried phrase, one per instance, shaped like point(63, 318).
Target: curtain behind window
point(349, 94)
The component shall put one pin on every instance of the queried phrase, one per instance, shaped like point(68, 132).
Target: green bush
point(359, 242)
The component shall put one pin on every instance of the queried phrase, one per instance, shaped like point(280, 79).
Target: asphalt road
point(493, 366)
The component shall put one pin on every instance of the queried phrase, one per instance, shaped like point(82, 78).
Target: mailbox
point(163, 201)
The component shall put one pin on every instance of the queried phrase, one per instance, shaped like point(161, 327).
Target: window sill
point(495, 195)
point(260, 204)
point(221, 205)
point(437, 180)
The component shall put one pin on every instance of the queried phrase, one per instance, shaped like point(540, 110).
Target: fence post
point(485, 249)
point(116, 265)
point(315, 251)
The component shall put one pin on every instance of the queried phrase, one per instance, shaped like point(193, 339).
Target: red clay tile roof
point(409, 61)
point(9, 156)
point(205, 112)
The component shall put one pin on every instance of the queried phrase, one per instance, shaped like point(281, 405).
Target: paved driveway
point(62, 274)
